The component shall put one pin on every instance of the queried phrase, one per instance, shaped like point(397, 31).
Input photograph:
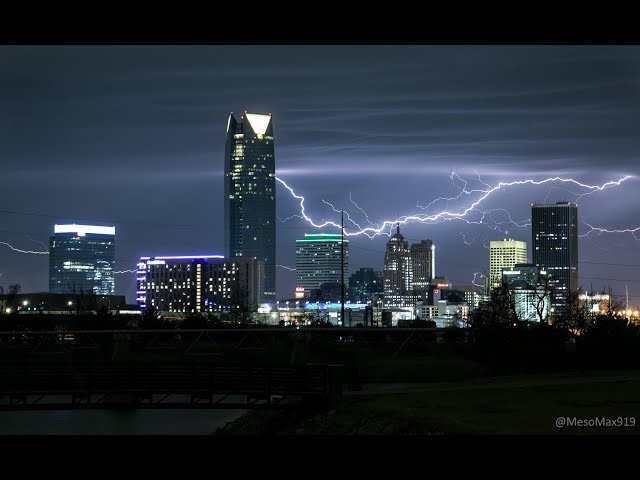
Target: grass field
point(524, 404)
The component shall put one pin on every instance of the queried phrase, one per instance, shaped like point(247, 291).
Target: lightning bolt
point(363, 212)
point(475, 274)
point(480, 179)
point(464, 239)
point(385, 227)
point(287, 268)
point(23, 251)
point(38, 241)
point(632, 231)
point(289, 218)
point(124, 271)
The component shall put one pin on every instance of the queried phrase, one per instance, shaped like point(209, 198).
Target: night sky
point(134, 137)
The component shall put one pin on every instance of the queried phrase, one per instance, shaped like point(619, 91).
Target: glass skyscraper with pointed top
point(250, 194)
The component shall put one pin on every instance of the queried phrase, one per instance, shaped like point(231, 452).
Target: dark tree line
point(573, 337)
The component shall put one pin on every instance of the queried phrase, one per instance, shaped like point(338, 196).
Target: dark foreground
point(523, 404)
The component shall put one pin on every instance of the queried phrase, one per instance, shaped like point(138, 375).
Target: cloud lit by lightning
point(23, 251)
point(471, 214)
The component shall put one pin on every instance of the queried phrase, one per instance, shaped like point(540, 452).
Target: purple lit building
point(200, 283)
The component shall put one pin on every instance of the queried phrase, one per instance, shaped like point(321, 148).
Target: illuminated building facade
point(423, 266)
point(504, 254)
point(472, 294)
point(200, 283)
point(529, 287)
point(397, 273)
point(365, 284)
point(554, 231)
point(597, 303)
point(318, 261)
point(250, 194)
point(82, 259)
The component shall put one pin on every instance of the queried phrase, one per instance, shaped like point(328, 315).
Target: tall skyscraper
point(81, 259)
point(397, 274)
point(423, 265)
point(200, 283)
point(554, 232)
point(250, 193)
point(318, 261)
point(504, 254)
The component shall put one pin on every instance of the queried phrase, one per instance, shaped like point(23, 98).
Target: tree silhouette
point(7, 299)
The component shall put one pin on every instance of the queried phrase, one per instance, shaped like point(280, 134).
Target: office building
point(250, 194)
point(529, 287)
point(318, 261)
point(504, 254)
point(597, 303)
point(82, 259)
point(423, 266)
point(554, 232)
point(200, 283)
point(365, 284)
point(472, 294)
point(397, 273)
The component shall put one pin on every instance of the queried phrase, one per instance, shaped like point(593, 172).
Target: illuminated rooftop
point(82, 230)
point(322, 237)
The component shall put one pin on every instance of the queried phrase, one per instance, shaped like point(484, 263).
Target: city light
point(82, 230)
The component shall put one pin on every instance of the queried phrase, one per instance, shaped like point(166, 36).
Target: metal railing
point(27, 384)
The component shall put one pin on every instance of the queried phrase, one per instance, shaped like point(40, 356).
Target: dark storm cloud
point(135, 136)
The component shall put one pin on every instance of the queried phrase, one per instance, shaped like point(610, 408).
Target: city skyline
point(344, 145)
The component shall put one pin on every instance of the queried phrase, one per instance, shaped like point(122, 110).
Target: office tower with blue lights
point(82, 259)
point(250, 194)
point(318, 261)
point(199, 283)
point(554, 231)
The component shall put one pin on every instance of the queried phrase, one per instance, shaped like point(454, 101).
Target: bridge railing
point(59, 378)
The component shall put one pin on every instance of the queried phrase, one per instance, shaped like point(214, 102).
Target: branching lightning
point(385, 228)
point(37, 241)
point(475, 274)
point(464, 239)
point(632, 231)
point(23, 251)
point(363, 212)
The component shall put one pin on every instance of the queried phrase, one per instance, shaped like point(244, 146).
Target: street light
point(25, 303)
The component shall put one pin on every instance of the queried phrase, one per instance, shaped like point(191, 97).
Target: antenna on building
point(627, 290)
